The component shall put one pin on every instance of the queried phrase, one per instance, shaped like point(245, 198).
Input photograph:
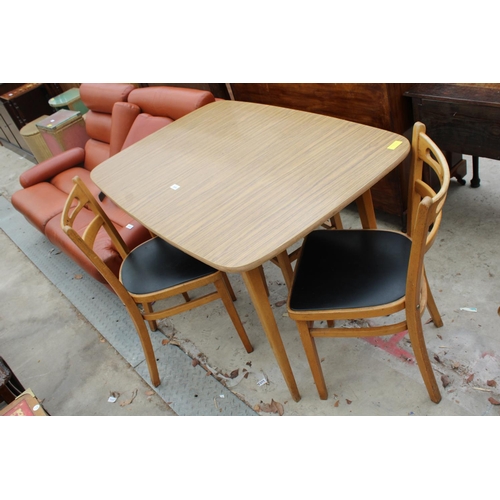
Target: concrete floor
point(56, 352)
point(50, 346)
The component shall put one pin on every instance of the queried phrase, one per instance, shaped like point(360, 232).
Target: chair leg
point(153, 325)
point(147, 346)
point(420, 350)
point(431, 305)
point(233, 313)
point(366, 211)
point(186, 296)
point(264, 280)
point(286, 268)
point(313, 358)
point(336, 221)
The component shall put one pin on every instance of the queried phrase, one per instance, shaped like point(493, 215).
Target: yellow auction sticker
point(395, 144)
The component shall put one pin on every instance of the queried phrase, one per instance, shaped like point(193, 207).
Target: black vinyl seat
point(155, 265)
point(347, 269)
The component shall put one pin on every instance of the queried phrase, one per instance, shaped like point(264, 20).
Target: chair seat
point(156, 265)
point(344, 269)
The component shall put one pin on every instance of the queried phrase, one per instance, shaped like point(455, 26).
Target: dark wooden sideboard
point(377, 104)
point(461, 119)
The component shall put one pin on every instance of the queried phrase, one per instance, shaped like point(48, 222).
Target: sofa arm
point(47, 169)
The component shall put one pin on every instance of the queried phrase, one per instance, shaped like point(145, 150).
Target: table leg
point(257, 291)
point(366, 210)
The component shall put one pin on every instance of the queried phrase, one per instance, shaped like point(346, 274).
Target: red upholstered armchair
point(118, 116)
point(47, 185)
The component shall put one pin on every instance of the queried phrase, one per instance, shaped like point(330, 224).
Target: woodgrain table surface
point(235, 184)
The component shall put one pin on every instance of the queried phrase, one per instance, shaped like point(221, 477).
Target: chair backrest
point(172, 102)
point(81, 203)
point(161, 106)
point(425, 205)
point(106, 135)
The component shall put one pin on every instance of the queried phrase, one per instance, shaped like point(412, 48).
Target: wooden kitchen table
point(235, 184)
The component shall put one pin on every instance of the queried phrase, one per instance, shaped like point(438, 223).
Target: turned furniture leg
point(257, 290)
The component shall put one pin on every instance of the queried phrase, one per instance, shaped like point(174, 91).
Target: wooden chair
point(359, 274)
point(152, 271)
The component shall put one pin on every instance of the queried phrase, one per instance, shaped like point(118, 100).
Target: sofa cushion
point(100, 97)
point(103, 246)
point(133, 236)
point(64, 180)
point(46, 170)
point(124, 114)
point(64, 183)
point(172, 102)
point(114, 212)
point(39, 203)
point(144, 125)
point(98, 126)
point(95, 153)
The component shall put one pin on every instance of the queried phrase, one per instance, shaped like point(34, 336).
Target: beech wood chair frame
point(424, 217)
point(79, 198)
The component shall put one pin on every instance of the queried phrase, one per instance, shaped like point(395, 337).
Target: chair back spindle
point(78, 199)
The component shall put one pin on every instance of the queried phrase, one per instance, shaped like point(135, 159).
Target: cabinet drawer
point(463, 128)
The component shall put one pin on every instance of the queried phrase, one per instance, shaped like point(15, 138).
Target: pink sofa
point(119, 115)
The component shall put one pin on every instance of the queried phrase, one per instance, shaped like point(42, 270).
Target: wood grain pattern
point(253, 178)
point(380, 105)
